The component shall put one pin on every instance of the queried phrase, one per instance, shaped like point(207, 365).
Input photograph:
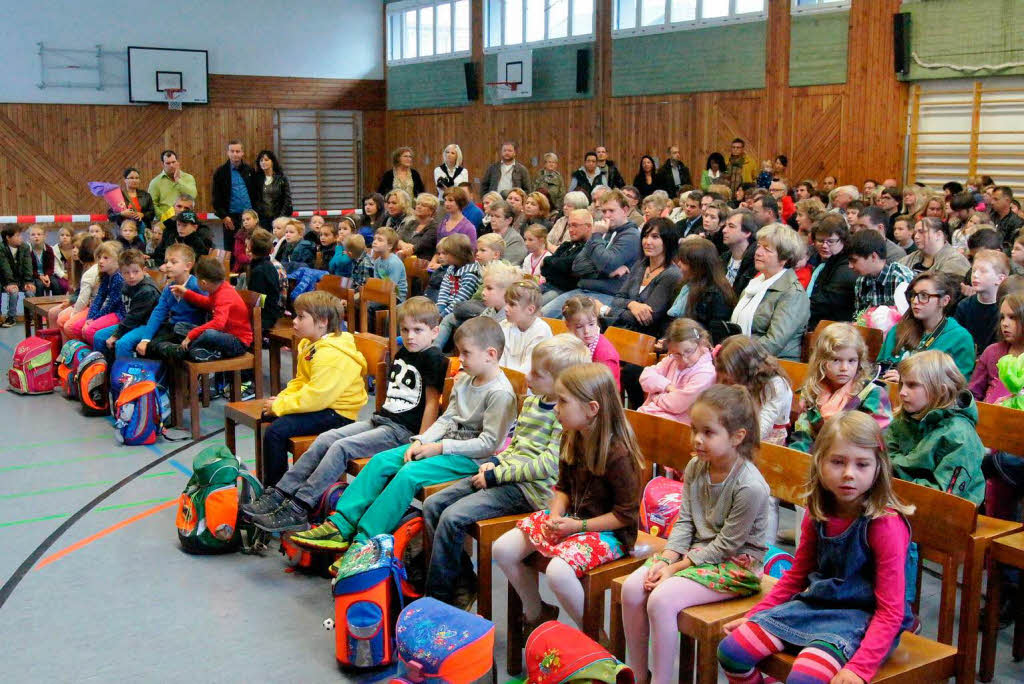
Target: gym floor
point(96, 586)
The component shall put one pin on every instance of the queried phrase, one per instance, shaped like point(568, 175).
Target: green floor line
point(66, 461)
point(55, 516)
point(54, 442)
point(83, 485)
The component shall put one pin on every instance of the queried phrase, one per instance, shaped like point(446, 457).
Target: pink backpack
point(32, 368)
point(659, 505)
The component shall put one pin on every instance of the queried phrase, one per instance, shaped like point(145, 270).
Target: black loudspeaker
point(582, 70)
point(901, 43)
point(472, 92)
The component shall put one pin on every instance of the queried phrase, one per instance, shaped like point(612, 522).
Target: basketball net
point(501, 89)
point(173, 102)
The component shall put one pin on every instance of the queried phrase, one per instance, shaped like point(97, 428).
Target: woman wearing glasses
point(927, 325)
point(934, 253)
point(830, 289)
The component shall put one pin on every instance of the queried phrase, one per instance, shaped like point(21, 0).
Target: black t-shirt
point(981, 320)
point(411, 374)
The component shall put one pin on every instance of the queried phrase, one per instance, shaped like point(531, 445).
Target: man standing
point(231, 182)
point(588, 176)
point(742, 167)
point(829, 184)
point(169, 185)
point(1007, 223)
point(606, 165)
point(673, 174)
point(506, 174)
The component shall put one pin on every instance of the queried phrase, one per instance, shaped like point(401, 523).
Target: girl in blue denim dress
point(831, 606)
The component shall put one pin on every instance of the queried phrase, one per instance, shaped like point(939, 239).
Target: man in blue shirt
point(472, 212)
point(231, 191)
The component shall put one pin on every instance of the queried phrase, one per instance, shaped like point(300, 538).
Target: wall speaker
point(582, 70)
point(901, 43)
point(472, 91)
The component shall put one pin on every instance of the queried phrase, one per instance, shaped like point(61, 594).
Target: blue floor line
point(6, 346)
point(182, 468)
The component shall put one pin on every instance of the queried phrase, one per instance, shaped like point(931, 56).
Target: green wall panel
point(554, 74)
point(428, 84)
point(717, 58)
point(818, 45)
point(965, 33)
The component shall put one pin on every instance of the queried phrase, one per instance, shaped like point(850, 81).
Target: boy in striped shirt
point(517, 480)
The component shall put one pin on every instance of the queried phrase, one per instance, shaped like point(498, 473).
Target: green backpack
point(208, 517)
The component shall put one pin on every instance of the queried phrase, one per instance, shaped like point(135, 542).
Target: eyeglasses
point(831, 242)
point(925, 297)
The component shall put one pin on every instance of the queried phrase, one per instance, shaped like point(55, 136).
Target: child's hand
point(178, 290)
point(844, 676)
point(268, 406)
point(478, 481)
point(891, 375)
point(728, 627)
point(486, 466)
point(559, 527)
point(111, 341)
point(185, 342)
point(141, 347)
point(656, 574)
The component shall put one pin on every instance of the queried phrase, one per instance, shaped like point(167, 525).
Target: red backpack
point(32, 367)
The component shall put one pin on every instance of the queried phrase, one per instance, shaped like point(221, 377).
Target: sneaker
point(268, 502)
point(325, 537)
point(465, 597)
point(288, 517)
point(547, 612)
point(9, 322)
point(248, 391)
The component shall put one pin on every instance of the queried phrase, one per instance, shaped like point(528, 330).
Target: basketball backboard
point(152, 71)
point(516, 66)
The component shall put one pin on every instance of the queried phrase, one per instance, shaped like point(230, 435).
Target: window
point(802, 6)
point(513, 23)
point(423, 30)
point(637, 17)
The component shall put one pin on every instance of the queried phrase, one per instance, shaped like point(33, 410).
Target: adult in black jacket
point(831, 286)
point(271, 192)
point(707, 296)
point(231, 191)
point(608, 167)
point(738, 235)
point(557, 268)
point(185, 228)
point(138, 202)
point(401, 175)
point(646, 178)
point(588, 176)
point(673, 174)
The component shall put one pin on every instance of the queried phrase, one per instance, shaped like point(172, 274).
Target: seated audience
point(979, 313)
point(934, 253)
point(523, 328)
point(642, 302)
point(173, 316)
point(461, 272)
point(501, 223)
point(675, 383)
point(738, 239)
point(705, 295)
point(559, 232)
point(742, 360)
point(985, 384)
point(830, 290)
point(879, 282)
point(139, 296)
point(582, 316)
point(228, 333)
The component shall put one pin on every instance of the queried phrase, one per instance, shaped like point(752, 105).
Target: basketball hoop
point(500, 89)
point(172, 94)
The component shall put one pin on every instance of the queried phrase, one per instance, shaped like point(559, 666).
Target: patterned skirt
point(582, 551)
point(739, 575)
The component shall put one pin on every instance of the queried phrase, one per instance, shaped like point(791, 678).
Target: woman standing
point(550, 179)
point(401, 176)
point(450, 172)
point(139, 203)
point(271, 191)
point(644, 180)
point(714, 169)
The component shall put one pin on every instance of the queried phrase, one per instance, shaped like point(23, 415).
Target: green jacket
point(954, 340)
point(872, 400)
point(15, 269)
point(942, 450)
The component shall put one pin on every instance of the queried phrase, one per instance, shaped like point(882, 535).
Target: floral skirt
point(582, 551)
point(739, 575)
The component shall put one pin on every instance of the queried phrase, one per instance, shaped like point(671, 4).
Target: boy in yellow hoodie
point(327, 391)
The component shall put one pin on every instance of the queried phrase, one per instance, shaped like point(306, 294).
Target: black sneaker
point(291, 516)
point(268, 502)
point(9, 322)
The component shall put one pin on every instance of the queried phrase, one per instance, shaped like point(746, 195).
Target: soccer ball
point(328, 624)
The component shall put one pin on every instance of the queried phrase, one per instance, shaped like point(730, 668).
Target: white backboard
point(515, 66)
point(152, 70)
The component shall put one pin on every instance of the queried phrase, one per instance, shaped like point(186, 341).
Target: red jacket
point(230, 313)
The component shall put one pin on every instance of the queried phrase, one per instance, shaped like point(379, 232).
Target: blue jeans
point(99, 340)
point(124, 347)
point(449, 515)
point(212, 345)
point(553, 309)
point(277, 434)
point(325, 461)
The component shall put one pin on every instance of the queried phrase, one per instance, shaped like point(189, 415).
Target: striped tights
point(749, 644)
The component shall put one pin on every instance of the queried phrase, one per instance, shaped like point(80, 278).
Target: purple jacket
point(985, 384)
point(464, 226)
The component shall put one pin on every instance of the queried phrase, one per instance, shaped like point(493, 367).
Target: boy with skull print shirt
point(415, 383)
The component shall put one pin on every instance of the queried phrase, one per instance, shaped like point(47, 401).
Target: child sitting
point(107, 306)
point(139, 296)
point(498, 276)
point(717, 544)
point(461, 273)
point(903, 233)
point(933, 439)
point(362, 264)
point(327, 391)
point(298, 252)
point(522, 327)
point(129, 237)
point(852, 556)
point(742, 360)
point(173, 315)
point(228, 333)
point(88, 282)
point(250, 222)
point(839, 378)
point(414, 387)
point(47, 272)
point(678, 379)
point(517, 480)
point(264, 277)
point(979, 313)
point(985, 384)
point(341, 264)
point(489, 250)
point(154, 238)
point(879, 283)
point(581, 315)
point(480, 411)
point(326, 246)
point(386, 264)
point(592, 517)
point(925, 326)
point(312, 236)
point(536, 239)
point(15, 272)
point(1017, 254)
point(281, 246)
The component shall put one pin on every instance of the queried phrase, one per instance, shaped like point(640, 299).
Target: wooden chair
point(190, 372)
point(1008, 550)
point(225, 259)
point(416, 275)
point(157, 276)
point(633, 347)
point(382, 292)
point(873, 338)
point(660, 441)
point(557, 325)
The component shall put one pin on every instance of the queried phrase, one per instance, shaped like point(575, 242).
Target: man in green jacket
point(170, 184)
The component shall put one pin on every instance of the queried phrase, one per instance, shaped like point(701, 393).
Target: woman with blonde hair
point(808, 212)
point(449, 173)
point(914, 198)
point(401, 175)
point(551, 179)
point(537, 209)
point(419, 236)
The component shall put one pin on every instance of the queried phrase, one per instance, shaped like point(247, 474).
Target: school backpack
point(208, 519)
point(367, 599)
point(31, 369)
point(659, 506)
point(90, 384)
point(53, 336)
point(124, 372)
point(558, 654)
point(303, 560)
point(440, 643)
point(71, 355)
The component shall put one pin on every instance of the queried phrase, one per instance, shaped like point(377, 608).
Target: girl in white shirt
point(536, 238)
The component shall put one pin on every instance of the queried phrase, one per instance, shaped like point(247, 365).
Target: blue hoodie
point(108, 298)
point(171, 309)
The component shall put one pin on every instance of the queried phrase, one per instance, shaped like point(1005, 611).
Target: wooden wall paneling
point(816, 124)
point(277, 92)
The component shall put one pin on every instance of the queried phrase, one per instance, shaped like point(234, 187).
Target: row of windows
point(421, 30)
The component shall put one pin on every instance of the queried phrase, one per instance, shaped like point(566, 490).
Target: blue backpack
point(127, 371)
point(138, 401)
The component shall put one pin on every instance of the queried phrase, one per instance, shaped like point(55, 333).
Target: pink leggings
point(656, 614)
point(80, 328)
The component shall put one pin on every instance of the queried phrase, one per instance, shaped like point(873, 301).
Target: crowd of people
point(728, 275)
